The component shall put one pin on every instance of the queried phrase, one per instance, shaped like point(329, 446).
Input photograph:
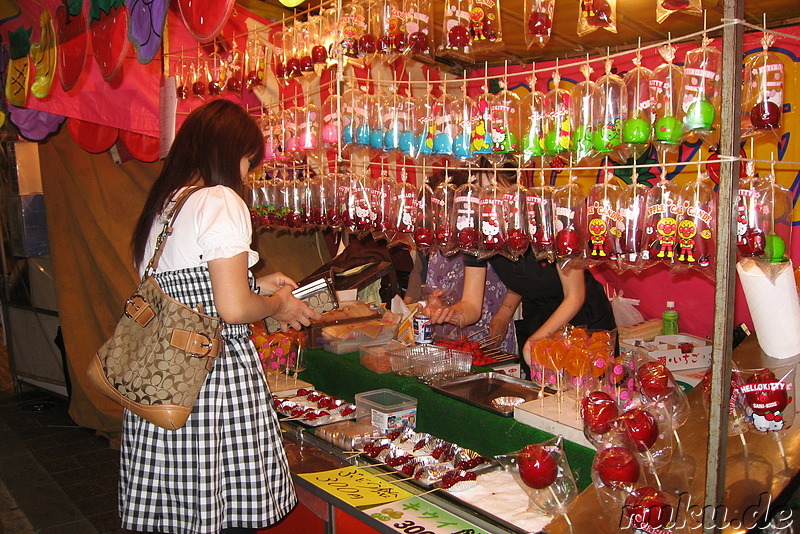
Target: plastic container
point(386, 409)
point(375, 356)
point(346, 346)
point(669, 319)
point(429, 362)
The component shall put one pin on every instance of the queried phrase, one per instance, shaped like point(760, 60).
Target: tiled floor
point(60, 476)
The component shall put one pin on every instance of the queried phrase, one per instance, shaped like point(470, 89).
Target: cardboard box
point(677, 351)
point(26, 175)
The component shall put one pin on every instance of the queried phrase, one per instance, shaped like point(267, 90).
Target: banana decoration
point(44, 54)
point(18, 66)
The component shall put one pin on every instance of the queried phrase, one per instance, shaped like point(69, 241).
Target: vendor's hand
point(528, 348)
point(271, 283)
point(498, 327)
point(440, 314)
point(292, 312)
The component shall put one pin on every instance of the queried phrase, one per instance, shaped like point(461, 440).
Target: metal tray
point(481, 389)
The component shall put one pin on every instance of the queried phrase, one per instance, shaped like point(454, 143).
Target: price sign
point(416, 516)
point(356, 486)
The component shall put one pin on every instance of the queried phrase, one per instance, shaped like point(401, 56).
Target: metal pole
point(726, 263)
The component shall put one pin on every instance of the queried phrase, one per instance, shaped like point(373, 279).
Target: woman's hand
point(498, 327)
point(271, 283)
point(292, 312)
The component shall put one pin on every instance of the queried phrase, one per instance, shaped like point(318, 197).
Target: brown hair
point(207, 149)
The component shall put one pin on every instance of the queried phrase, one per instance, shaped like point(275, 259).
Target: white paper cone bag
point(774, 307)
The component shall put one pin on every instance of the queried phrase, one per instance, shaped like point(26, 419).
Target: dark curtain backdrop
point(92, 205)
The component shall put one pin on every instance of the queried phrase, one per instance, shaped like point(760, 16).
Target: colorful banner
point(357, 487)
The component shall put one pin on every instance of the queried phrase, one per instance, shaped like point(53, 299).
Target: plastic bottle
point(669, 319)
point(421, 323)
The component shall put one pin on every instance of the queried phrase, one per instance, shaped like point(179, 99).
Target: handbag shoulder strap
point(152, 265)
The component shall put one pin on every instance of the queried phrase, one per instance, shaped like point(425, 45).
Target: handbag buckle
point(138, 309)
point(208, 345)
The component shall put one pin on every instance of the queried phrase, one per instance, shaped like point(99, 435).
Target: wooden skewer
point(478, 332)
point(426, 492)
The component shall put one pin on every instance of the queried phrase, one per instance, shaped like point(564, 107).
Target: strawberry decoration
point(109, 32)
point(205, 18)
point(18, 66)
point(73, 42)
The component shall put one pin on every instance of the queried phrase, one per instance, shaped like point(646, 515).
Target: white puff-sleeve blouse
point(213, 223)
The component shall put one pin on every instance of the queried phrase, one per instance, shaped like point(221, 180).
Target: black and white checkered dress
point(226, 467)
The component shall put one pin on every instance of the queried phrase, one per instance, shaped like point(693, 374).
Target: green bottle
point(669, 319)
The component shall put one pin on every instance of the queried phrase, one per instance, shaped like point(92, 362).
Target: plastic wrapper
point(700, 97)
point(424, 127)
point(666, 84)
point(768, 396)
point(463, 111)
point(334, 189)
point(485, 27)
point(393, 39)
point(595, 14)
point(424, 223)
point(307, 127)
point(737, 419)
point(752, 225)
point(363, 105)
point(697, 229)
point(506, 125)
point(369, 44)
point(289, 124)
point(608, 134)
point(444, 222)
point(770, 216)
point(257, 204)
point(347, 119)
point(404, 210)
point(603, 222)
point(456, 31)
point(540, 217)
point(304, 40)
point(657, 384)
point(314, 192)
point(762, 92)
point(616, 470)
point(296, 192)
point(492, 227)
point(661, 224)
point(330, 134)
point(394, 119)
point(532, 115)
point(598, 411)
point(375, 110)
point(637, 128)
point(556, 124)
point(465, 218)
point(445, 128)
point(291, 63)
point(516, 212)
point(255, 64)
point(665, 8)
point(647, 428)
point(539, 22)
point(418, 29)
point(481, 142)
point(382, 202)
point(543, 472)
point(586, 115)
point(319, 33)
point(632, 208)
point(352, 26)
point(357, 210)
point(569, 223)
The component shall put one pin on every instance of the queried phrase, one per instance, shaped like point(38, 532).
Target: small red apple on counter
point(655, 380)
point(641, 427)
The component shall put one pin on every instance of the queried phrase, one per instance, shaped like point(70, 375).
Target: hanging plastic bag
point(539, 22)
point(666, 84)
point(625, 312)
point(532, 114)
point(393, 119)
point(393, 39)
point(444, 227)
point(382, 202)
point(418, 29)
point(445, 129)
point(463, 112)
point(752, 225)
point(485, 27)
point(556, 125)
point(492, 219)
point(405, 206)
point(696, 230)
point(637, 129)
point(481, 143)
point(456, 35)
point(465, 217)
point(700, 96)
point(603, 223)
point(358, 211)
point(632, 208)
point(594, 14)
point(608, 135)
point(506, 125)
point(539, 204)
point(352, 25)
point(424, 218)
point(569, 223)
point(516, 212)
point(665, 8)
point(762, 92)
point(661, 224)
point(586, 115)
point(777, 203)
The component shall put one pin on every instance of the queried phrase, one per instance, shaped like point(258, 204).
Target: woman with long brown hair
point(226, 469)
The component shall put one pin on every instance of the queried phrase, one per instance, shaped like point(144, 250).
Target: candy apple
point(674, 5)
point(423, 237)
point(597, 411)
point(765, 115)
point(517, 240)
point(567, 242)
point(418, 43)
point(537, 467)
point(655, 380)
point(539, 24)
point(648, 507)
point(468, 238)
point(752, 242)
point(641, 427)
point(458, 36)
point(616, 466)
point(602, 14)
point(319, 54)
point(774, 248)
point(765, 393)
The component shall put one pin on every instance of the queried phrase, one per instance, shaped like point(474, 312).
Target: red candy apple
point(418, 42)
point(616, 466)
point(468, 238)
point(752, 242)
point(367, 44)
point(567, 242)
point(319, 54)
point(674, 5)
point(647, 506)
point(458, 36)
point(537, 467)
point(655, 380)
point(641, 427)
point(539, 24)
point(518, 240)
point(765, 393)
point(597, 411)
point(765, 115)
point(423, 237)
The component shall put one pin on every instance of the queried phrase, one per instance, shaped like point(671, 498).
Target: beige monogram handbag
point(161, 351)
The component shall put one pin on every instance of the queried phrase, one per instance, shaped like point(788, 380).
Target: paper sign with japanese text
point(416, 516)
point(356, 486)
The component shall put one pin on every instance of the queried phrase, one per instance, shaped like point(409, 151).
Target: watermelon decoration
point(73, 43)
point(44, 55)
point(18, 66)
point(146, 19)
point(109, 34)
point(205, 18)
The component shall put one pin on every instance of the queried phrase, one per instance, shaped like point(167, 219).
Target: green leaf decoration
point(19, 42)
point(74, 7)
point(644, 173)
point(100, 7)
